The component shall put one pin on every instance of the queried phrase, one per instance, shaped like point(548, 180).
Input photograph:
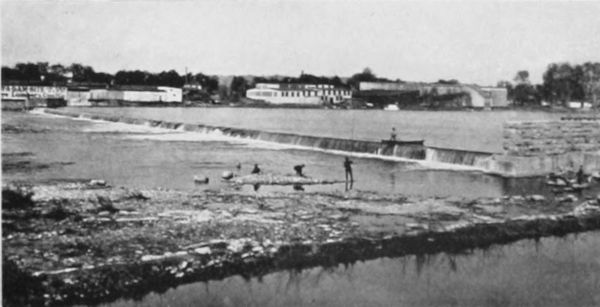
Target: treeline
point(44, 73)
point(562, 83)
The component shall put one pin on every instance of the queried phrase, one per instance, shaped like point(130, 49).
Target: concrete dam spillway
point(412, 150)
point(563, 145)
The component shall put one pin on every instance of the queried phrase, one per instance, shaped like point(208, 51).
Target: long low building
point(309, 94)
point(26, 91)
point(23, 94)
point(143, 94)
point(31, 94)
point(478, 96)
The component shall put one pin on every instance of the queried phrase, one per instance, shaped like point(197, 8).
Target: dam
point(530, 148)
point(110, 147)
point(404, 149)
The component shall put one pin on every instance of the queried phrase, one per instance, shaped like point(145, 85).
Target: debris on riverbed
point(274, 179)
point(87, 242)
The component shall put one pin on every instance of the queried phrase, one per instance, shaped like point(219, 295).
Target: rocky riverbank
point(87, 242)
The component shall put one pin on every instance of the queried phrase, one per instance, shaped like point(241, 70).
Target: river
point(468, 130)
point(549, 272)
point(139, 156)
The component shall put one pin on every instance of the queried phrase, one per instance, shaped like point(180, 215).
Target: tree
point(136, 77)
point(524, 93)
point(57, 69)
point(10, 74)
point(590, 82)
point(29, 71)
point(166, 78)
point(563, 82)
point(209, 84)
point(365, 76)
point(522, 77)
point(238, 88)
point(448, 82)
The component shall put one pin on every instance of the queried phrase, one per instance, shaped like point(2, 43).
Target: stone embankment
point(541, 147)
point(86, 242)
point(551, 137)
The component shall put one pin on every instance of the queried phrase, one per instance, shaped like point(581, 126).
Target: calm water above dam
point(551, 272)
point(470, 130)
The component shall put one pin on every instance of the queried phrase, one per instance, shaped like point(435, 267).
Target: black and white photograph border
point(300, 153)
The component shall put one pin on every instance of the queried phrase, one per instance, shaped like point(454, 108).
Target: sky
point(472, 41)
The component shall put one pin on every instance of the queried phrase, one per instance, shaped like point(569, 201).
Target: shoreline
point(86, 242)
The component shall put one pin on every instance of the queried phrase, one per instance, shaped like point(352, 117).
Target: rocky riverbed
point(86, 242)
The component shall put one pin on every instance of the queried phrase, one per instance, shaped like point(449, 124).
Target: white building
point(26, 91)
point(283, 93)
point(147, 94)
point(192, 86)
point(487, 97)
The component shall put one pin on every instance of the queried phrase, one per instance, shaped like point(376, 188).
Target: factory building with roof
point(301, 94)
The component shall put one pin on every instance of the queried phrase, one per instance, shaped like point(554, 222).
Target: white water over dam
point(410, 150)
point(461, 130)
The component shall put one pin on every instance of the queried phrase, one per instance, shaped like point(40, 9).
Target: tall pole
point(352, 123)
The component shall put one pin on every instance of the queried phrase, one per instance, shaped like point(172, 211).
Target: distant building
point(32, 94)
point(310, 94)
point(487, 97)
point(192, 86)
point(137, 94)
point(78, 94)
point(478, 96)
point(421, 87)
point(25, 90)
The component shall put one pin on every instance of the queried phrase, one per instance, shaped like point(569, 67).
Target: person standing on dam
point(393, 134)
point(348, 169)
point(580, 176)
point(256, 170)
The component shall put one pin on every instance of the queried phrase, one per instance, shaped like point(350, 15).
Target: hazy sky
point(470, 41)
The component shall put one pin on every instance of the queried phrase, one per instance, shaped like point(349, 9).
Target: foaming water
point(274, 141)
point(476, 131)
point(183, 136)
point(105, 126)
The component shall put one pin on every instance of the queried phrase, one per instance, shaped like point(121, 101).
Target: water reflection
point(549, 272)
point(298, 187)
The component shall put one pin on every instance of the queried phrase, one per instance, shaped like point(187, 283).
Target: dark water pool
point(549, 272)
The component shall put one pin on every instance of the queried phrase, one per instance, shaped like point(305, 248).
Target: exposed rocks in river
point(85, 242)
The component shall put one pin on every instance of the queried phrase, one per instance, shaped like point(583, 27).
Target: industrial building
point(136, 94)
point(78, 94)
point(487, 97)
point(25, 90)
point(33, 94)
point(470, 95)
point(307, 94)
